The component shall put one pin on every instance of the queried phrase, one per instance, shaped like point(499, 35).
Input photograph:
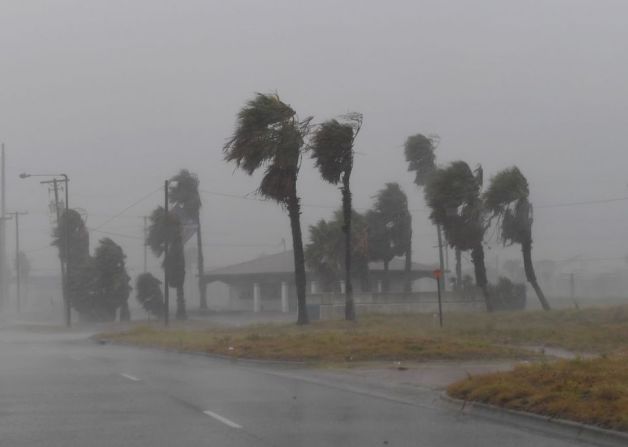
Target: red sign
point(437, 273)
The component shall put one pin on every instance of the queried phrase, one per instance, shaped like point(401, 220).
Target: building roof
point(283, 263)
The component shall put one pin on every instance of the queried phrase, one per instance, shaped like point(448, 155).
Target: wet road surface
point(59, 389)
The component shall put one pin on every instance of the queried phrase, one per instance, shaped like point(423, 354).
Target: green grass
point(399, 337)
point(593, 391)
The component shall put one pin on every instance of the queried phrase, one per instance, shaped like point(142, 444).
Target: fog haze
point(120, 95)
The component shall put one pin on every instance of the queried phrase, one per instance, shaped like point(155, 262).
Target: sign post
point(437, 275)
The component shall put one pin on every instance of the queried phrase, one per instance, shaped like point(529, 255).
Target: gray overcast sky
point(121, 94)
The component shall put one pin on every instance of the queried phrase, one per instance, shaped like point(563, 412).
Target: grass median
point(397, 337)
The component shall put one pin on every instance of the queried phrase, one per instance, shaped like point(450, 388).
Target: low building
point(267, 282)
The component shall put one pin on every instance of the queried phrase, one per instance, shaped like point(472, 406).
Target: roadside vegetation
point(592, 391)
point(400, 337)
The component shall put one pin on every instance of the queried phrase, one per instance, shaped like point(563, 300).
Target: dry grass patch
point(320, 342)
point(593, 391)
point(399, 337)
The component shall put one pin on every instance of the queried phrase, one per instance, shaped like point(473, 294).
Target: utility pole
point(65, 267)
point(572, 289)
point(64, 270)
point(166, 287)
point(3, 249)
point(145, 244)
point(18, 264)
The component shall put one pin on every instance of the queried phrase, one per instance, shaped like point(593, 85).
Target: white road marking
point(222, 419)
point(130, 377)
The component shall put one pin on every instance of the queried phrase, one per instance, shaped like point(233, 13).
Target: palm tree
point(166, 231)
point(77, 278)
point(421, 157)
point(507, 198)
point(332, 150)
point(184, 193)
point(419, 151)
point(390, 229)
point(325, 255)
point(112, 281)
point(269, 134)
point(453, 194)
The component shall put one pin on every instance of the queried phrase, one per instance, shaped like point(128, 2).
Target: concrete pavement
point(60, 389)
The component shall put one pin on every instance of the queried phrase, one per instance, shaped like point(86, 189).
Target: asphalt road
point(63, 390)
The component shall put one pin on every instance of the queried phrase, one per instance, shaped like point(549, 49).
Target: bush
point(507, 295)
point(149, 294)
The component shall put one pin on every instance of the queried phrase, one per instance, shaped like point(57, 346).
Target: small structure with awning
point(267, 282)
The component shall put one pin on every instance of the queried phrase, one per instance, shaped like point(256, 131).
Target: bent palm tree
point(332, 150)
point(453, 194)
point(507, 198)
point(184, 192)
point(166, 230)
point(420, 154)
point(269, 134)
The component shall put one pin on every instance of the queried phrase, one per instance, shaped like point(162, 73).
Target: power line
point(585, 202)
point(420, 210)
point(115, 216)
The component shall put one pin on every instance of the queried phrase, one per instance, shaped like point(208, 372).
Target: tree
point(79, 275)
point(166, 230)
point(332, 150)
point(421, 157)
point(185, 194)
point(325, 253)
point(453, 194)
point(390, 228)
point(79, 237)
point(96, 286)
point(507, 199)
point(112, 281)
point(149, 294)
point(269, 135)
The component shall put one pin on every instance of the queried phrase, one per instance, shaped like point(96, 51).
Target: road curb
point(564, 427)
point(210, 355)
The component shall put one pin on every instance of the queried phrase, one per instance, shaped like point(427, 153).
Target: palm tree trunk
point(347, 208)
point(125, 312)
point(407, 286)
point(477, 256)
point(526, 249)
point(458, 269)
point(294, 211)
point(200, 262)
point(386, 279)
point(181, 313)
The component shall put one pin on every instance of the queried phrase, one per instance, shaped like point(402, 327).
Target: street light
point(65, 273)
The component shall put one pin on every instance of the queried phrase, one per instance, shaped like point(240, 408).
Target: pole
point(68, 310)
point(145, 244)
point(55, 186)
point(440, 256)
point(18, 266)
point(572, 289)
point(3, 258)
point(166, 287)
point(440, 303)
